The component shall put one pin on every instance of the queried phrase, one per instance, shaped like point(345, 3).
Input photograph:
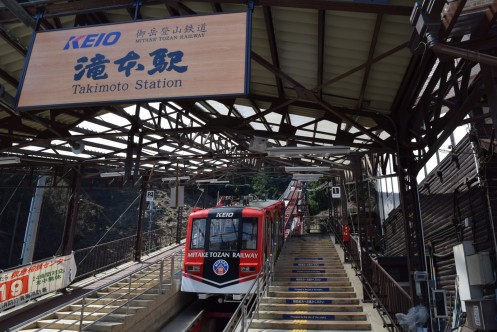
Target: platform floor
point(373, 314)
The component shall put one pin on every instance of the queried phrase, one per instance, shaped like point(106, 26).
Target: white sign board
point(150, 196)
point(22, 284)
point(179, 199)
point(335, 192)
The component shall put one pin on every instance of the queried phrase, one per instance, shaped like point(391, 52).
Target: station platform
point(313, 290)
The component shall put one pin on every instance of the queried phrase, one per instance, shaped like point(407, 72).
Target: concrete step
point(308, 274)
point(312, 315)
point(318, 295)
point(93, 316)
point(311, 288)
point(123, 295)
point(307, 307)
point(117, 302)
point(312, 281)
point(311, 300)
point(268, 324)
point(150, 288)
point(107, 309)
point(73, 325)
point(337, 267)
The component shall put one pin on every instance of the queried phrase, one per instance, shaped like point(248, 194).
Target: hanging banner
point(181, 57)
point(25, 283)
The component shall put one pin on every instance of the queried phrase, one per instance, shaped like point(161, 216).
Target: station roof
point(323, 73)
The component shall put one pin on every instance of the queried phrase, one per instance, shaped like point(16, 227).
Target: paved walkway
point(373, 314)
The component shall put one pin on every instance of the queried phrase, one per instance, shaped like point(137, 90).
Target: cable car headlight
point(193, 268)
point(247, 268)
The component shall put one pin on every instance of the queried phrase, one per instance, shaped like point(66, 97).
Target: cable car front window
point(224, 235)
point(198, 234)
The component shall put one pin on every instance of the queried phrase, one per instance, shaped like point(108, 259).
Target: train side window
point(249, 234)
point(198, 234)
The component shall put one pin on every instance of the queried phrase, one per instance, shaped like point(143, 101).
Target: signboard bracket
point(40, 12)
point(137, 15)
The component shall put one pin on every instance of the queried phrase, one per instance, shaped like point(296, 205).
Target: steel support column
point(413, 227)
point(72, 213)
point(141, 218)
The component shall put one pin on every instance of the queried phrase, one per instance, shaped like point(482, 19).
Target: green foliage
point(318, 200)
point(271, 187)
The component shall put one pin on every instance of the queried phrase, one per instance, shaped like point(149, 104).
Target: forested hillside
point(107, 211)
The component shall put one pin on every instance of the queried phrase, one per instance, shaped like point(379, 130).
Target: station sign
point(150, 60)
point(22, 284)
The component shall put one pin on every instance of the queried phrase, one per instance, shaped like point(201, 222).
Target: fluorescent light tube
point(9, 160)
point(111, 174)
point(288, 151)
point(291, 169)
point(307, 177)
point(173, 178)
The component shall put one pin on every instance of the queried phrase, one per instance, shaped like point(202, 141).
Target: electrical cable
point(108, 230)
point(10, 198)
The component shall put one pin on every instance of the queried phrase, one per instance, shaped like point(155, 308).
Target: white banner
point(22, 284)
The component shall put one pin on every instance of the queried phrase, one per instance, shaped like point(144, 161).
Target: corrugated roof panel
point(297, 43)
point(386, 75)
point(306, 112)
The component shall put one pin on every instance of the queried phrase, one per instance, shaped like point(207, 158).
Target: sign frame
point(24, 101)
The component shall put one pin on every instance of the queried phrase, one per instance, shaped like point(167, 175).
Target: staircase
point(311, 291)
point(114, 307)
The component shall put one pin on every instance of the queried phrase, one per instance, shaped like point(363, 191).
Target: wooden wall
point(449, 195)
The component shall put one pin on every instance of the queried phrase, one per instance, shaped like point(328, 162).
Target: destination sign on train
point(204, 55)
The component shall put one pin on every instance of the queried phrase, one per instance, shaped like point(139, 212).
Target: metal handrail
point(397, 299)
point(128, 299)
point(131, 290)
point(249, 305)
point(102, 257)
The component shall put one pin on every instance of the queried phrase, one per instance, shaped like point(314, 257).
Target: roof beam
point(16, 9)
point(268, 19)
point(341, 6)
point(367, 70)
point(12, 41)
point(321, 29)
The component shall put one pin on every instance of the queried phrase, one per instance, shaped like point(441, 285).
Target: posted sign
point(25, 283)
point(204, 55)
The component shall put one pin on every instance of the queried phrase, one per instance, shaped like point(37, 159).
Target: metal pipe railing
point(388, 296)
point(249, 305)
point(105, 256)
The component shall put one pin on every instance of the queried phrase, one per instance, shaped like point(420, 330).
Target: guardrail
point(387, 295)
point(393, 298)
point(93, 260)
point(102, 257)
point(249, 305)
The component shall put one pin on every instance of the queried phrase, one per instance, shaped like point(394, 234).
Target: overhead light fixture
point(289, 151)
point(307, 177)
point(111, 174)
point(211, 181)
point(292, 169)
point(9, 160)
point(174, 178)
point(205, 180)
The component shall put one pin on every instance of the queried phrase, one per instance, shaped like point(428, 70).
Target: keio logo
point(92, 40)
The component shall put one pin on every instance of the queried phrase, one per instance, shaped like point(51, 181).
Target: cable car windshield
point(224, 234)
